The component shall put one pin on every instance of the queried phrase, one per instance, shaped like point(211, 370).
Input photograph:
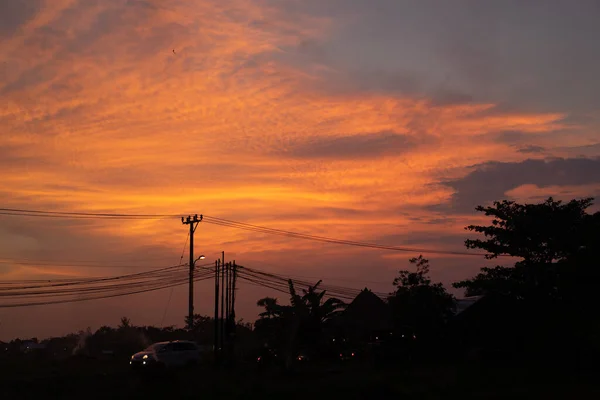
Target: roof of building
point(367, 310)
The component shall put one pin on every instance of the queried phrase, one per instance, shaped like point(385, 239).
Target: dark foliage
point(299, 326)
point(558, 245)
point(554, 280)
point(418, 303)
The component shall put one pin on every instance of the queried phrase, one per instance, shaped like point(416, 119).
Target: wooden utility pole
point(233, 281)
point(222, 336)
point(232, 333)
point(227, 302)
point(216, 321)
point(193, 223)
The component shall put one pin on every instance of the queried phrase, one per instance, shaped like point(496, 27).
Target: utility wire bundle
point(23, 293)
point(226, 223)
point(42, 292)
point(280, 284)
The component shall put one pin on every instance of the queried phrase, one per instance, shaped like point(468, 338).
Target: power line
point(34, 263)
point(16, 211)
point(75, 216)
point(99, 288)
point(165, 286)
point(86, 281)
point(69, 282)
point(260, 229)
point(60, 291)
point(171, 291)
point(238, 225)
point(329, 278)
point(280, 283)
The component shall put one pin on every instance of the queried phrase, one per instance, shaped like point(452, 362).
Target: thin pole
point(193, 223)
point(222, 298)
point(227, 274)
point(234, 279)
point(216, 320)
point(191, 280)
point(233, 325)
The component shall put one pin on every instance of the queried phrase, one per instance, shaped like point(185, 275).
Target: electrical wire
point(280, 283)
point(40, 303)
point(78, 264)
point(238, 225)
point(59, 292)
point(324, 239)
point(104, 279)
point(63, 214)
point(162, 320)
point(92, 288)
point(152, 280)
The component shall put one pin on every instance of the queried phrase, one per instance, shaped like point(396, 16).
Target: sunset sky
point(383, 121)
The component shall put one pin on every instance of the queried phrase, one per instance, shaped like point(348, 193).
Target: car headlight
point(145, 357)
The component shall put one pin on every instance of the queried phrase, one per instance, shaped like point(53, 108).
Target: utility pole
point(216, 340)
point(233, 325)
point(222, 337)
point(193, 223)
point(227, 303)
point(233, 282)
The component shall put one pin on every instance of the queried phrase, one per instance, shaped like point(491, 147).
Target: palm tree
point(272, 308)
point(302, 322)
point(311, 315)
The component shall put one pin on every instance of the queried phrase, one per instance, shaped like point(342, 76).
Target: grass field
point(93, 379)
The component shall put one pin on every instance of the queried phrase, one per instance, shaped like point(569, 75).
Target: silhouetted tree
point(314, 313)
point(199, 322)
point(557, 244)
point(125, 323)
point(555, 277)
point(310, 317)
point(272, 308)
point(418, 303)
point(273, 324)
point(298, 325)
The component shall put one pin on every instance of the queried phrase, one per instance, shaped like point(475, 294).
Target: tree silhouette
point(417, 302)
point(555, 278)
point(125, 323)
point(299, 325)
point(311, 315)
point(556, 243)
point(272, 308)
point(199, 322)
point(537, 233)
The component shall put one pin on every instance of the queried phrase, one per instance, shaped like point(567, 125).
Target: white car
point(168, 354)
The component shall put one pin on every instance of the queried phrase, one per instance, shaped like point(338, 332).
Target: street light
point(199, 258)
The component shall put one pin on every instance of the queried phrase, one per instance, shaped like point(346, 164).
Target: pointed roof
point(367, 310)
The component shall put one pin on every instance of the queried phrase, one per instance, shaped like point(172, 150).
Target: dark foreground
point(93, 379)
